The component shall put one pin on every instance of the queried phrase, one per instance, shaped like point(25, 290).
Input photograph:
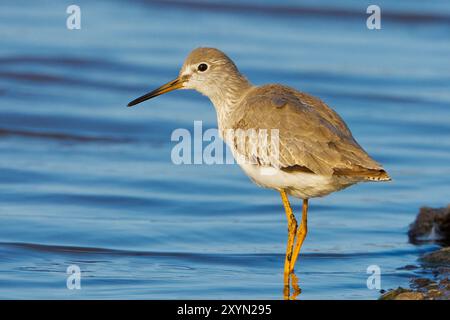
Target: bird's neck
point(227, 98)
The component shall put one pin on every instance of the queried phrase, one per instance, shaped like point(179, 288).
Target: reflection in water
point(288, 292)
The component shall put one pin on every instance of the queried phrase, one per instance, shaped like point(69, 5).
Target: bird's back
point(313, 137)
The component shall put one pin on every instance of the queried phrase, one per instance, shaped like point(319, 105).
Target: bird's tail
point(379, 175)
point(365, 174)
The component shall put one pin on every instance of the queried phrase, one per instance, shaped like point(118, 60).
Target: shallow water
point(86, 181)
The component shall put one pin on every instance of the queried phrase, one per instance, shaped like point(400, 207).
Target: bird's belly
point(298, 184)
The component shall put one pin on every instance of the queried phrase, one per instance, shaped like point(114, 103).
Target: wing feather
point(311, 134)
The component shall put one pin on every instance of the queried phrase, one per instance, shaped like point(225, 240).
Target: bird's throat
point(226, 101)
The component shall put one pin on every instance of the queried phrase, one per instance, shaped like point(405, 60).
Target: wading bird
point(316, 154)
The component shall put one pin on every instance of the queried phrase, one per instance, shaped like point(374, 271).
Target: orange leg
point(292, 229)
point(301, 235)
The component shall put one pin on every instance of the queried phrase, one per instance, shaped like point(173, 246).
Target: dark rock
point(446, 282)
point(408, 267)
point(420, 282)
point(431, 225)
point(440, 257)
point(423, 289)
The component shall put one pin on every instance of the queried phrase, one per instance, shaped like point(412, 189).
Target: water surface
point(86, 181)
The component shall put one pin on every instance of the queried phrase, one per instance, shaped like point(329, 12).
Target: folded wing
point(312, 137)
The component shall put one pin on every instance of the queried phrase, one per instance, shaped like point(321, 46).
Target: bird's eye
point(202, 67)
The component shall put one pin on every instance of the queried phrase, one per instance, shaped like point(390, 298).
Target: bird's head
point(207, 70)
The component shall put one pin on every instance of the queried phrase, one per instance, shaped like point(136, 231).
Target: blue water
point(86, 181)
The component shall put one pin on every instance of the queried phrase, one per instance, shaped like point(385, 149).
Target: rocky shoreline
point(431, 226)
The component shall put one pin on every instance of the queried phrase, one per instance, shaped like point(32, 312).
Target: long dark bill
point(169, 86)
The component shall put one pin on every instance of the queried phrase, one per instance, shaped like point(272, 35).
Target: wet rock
point(439, 257)
point(410, 296)
point(422, 289)
point(432, 224)
point(402, 294)
point(391, 294)
point(446, 282)
point(434, 294)
point(409, 267)
point(420, 282)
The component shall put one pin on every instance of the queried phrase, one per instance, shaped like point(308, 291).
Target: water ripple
point(60, 136)
point(301, 11)
point(207, 256)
